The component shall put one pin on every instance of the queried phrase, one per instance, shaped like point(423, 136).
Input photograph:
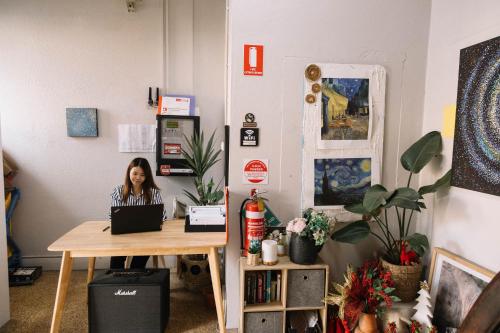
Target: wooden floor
point(31, 307)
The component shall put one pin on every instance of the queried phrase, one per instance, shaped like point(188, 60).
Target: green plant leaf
point(192, 197)
point(421, 204)
point(357, 208)
point(352, 233)
point(443, 181)
point(418, 243)
point(395, 298)
point(389, 290)
point(404, 197)
point(375, 197)
point(421, 152)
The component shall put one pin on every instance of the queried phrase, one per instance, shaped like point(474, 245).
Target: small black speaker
point(135, 301)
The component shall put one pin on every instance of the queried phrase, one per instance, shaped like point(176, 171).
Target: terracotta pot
point(303, 250)
point(253, 259)
point(367, 323)
point(406, 280)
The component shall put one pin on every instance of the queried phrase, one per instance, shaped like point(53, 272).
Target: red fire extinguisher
point(254, 224)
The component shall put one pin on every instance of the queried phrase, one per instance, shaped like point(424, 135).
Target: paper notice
point(134, 138)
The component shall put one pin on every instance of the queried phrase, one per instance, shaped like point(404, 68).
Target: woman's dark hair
point(148, 184)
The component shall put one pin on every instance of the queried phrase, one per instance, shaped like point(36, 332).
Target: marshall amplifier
point(135, 301)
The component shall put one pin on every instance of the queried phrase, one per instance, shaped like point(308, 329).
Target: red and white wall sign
point(253, 60)
point(255, 171)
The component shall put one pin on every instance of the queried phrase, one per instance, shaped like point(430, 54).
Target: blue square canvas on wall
point(81, 122)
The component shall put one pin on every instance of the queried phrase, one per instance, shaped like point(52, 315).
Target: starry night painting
point(345, 109)
point(476, 149)
point(341, 181)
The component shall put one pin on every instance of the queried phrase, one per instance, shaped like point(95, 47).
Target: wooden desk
point(88, 240)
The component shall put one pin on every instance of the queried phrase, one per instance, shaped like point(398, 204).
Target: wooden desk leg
point(155, 262)
point(162, 262)
point(62, 288)
point(90, 269)
point(213, 259)
point(179, 266)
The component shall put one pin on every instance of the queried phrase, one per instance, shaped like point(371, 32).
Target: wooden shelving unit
point(288, 269)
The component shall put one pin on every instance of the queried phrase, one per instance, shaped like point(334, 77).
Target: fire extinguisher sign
point(253, 60)
point(255, 171)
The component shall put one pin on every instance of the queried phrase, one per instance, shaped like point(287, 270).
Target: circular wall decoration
point(313, 72)
point(310, 98)
point(316, 88)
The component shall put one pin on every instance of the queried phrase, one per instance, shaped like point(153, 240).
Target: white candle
point(269, 252)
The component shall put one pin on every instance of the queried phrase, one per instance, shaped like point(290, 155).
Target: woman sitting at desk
point(139, 189)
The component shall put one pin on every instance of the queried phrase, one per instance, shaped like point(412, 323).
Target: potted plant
point(200, 157)
point(403, 249)
point(308, 234)
point(253, 254)
point(363, 296)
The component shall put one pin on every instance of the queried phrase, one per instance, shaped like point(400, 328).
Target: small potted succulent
point(253, 255)
point(308, 234)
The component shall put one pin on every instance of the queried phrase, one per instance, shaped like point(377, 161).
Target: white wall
point(59, 54)
point(464, 222)
point(294, 33)
point(4, 274)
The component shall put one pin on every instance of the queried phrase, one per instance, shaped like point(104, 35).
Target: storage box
point(263, 322)
point(306, 288)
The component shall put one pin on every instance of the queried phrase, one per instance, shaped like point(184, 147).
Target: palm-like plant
point(200, 159)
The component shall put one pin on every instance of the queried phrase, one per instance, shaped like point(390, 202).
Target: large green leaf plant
point(200, 158)
point(404, 200)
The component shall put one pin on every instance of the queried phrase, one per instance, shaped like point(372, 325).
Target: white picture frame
point(314, 148)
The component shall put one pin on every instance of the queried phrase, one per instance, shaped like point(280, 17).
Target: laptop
point(130, 219)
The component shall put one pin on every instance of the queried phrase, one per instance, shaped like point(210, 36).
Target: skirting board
point(54, 263)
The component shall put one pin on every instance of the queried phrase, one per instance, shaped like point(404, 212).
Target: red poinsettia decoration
point(366, 289)
point(407, 257)
point(415, 327)
point(391, 328)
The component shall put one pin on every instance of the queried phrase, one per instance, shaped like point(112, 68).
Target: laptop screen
point(131, 219)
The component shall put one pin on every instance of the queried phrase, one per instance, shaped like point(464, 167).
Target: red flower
point(407, 257)
point(391, 328)
point(415, 327)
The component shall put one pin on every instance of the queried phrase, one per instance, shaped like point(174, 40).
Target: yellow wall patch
point(449, 113)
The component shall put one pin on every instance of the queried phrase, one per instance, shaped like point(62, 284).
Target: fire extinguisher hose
point(241, 222)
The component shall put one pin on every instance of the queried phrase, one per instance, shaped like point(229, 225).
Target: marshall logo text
point(120, 292)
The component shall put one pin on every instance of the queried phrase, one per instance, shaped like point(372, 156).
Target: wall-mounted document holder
point(170, 140)
point(206, 219)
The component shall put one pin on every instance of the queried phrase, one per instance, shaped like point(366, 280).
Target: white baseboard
point(54, 263)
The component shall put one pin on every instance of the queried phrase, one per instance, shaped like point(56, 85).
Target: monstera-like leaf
point(352, 233)
point(421, 152)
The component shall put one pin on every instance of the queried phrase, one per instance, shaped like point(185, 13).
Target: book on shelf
point(268, 286)
point(278, 286)
point(273, 290)
point(262, 287)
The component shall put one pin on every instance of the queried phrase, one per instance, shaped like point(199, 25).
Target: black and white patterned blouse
point(136, 200)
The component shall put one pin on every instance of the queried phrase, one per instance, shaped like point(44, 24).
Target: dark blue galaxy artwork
point(476, 149)
point(341, 181)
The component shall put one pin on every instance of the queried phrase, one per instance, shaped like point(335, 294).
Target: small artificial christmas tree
point(423, 307)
